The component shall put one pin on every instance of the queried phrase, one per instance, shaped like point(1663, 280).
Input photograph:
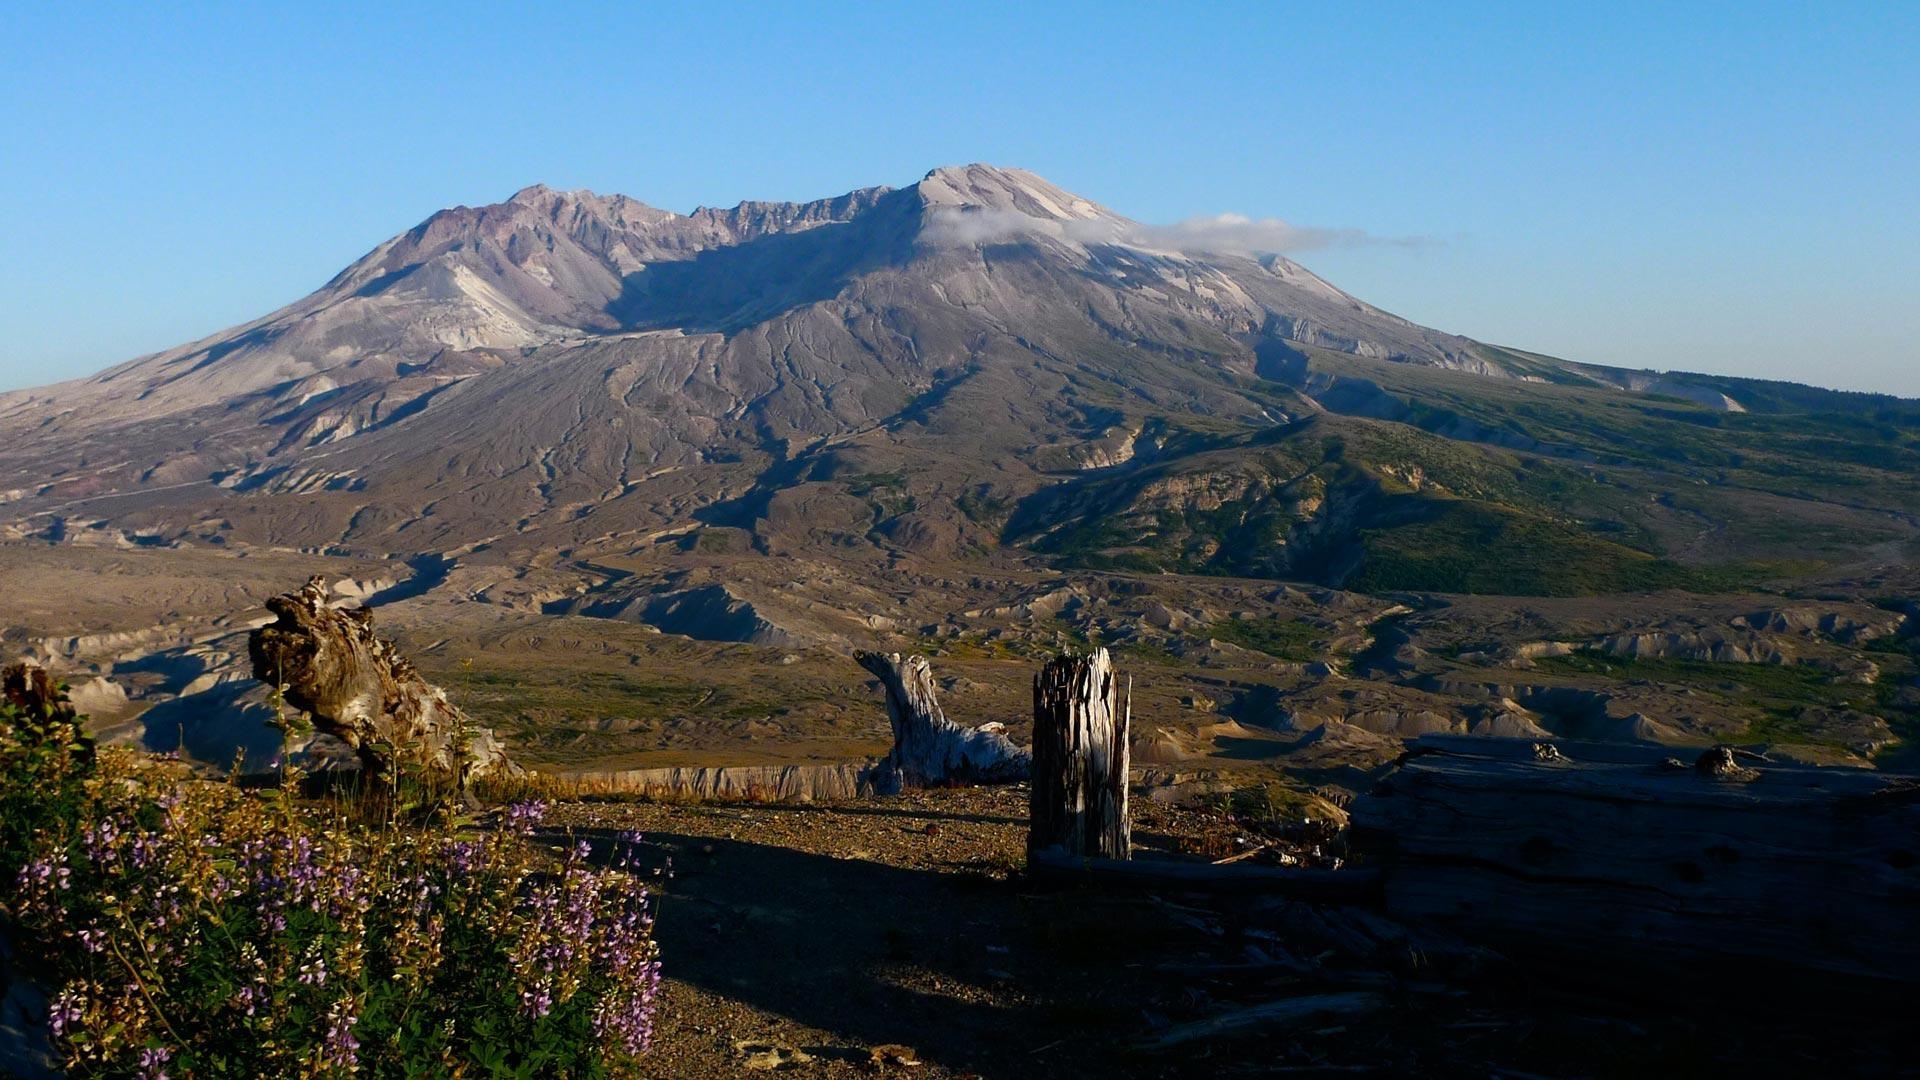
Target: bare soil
point(831, 931)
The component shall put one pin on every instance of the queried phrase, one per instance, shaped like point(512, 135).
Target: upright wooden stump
point(1080, 721)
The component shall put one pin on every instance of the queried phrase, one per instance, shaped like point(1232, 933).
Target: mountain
point(978, 369)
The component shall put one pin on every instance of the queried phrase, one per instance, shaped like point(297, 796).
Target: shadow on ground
point(977, 974)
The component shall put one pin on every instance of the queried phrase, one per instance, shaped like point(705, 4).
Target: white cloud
point(1219, 234)
point(965, 228)
point(1239, 233)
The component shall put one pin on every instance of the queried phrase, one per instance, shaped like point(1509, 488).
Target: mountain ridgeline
point(978, 368)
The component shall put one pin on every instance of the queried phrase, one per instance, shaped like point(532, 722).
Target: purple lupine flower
point(536, 1001)
point(64, 1013)
point(100, 839)
point(463, 856)
point(629, 849)
point(340, 1050)
point(521, 817)
point(625, 1019)
point(249, 998)
point(47, 872)
point(314, 971)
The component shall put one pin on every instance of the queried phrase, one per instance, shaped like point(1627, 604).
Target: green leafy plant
point(195, 928)
point(46, 761)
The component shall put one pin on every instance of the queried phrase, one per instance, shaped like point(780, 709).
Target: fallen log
point(727, 783)
point(1081, 718)
point(1283, 1015)
point(1631, 858)
point(930, 750)
point(329, 663)
point(1330, 886)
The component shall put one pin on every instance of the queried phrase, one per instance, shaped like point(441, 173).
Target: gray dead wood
point(328, 662)
point(731, 783)
point(1629, 857)
point(1330, 886)
point(928, 749)
point(1081, 717)
point(1272, 1016)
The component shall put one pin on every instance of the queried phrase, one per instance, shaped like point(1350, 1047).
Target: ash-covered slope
point(548, 266)
point(979, 359)
point(691, 335)
point(541, 267)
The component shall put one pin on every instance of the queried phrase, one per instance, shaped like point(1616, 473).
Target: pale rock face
point(984, 187)
point(98, 697)
point(1114, 448)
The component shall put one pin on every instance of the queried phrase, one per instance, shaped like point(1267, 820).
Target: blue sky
point(1725, 188)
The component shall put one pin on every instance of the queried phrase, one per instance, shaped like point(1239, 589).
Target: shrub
point(196, 928)
point(46, 760)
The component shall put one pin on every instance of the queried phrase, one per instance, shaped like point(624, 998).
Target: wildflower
point(45, 874)
point(521, 817)
point(251, 917)
point(340, 1050)
point(64, 1013)
point(463, 856)
point(248, 999)
point(314, 971)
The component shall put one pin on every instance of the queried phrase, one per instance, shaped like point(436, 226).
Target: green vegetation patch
point(1776, 682)
point(1480, 548)
point(865, 484)
point(1287, 639)
point(1780, 695)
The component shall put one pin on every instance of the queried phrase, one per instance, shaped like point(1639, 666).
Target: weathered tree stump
point(1080, 722)
point(328, 662)
point(928, 749)
point(28, 687)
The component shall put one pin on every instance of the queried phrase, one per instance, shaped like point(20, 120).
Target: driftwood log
point(930, 750)
point(740, 783)
point(1347, 886)
point(1081, 718)
point(1272, 1018)
point(1635, 861)
point(329, 663)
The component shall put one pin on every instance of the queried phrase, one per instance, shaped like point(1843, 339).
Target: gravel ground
point(902, 922)
point(848, 940)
